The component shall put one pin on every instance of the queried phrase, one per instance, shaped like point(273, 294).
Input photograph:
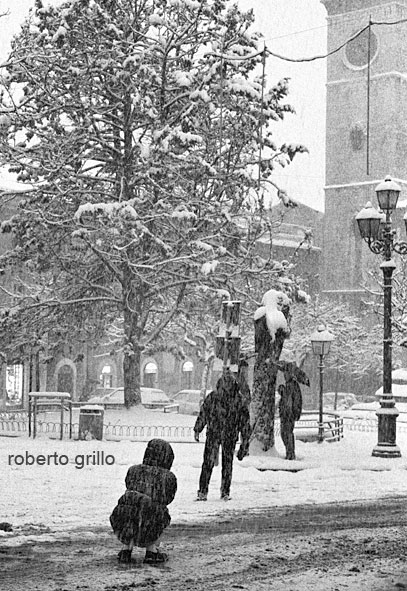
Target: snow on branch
point(108, 209)
point(209, 267)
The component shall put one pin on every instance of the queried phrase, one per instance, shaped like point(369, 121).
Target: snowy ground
point(72, 485)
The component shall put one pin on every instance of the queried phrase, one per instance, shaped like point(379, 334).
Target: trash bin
point(91, 422)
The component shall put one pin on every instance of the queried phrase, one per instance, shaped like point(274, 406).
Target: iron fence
point(13, 423)
point(307, 427)
point(172, 433)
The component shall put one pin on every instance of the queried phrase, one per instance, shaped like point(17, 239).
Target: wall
point(350, 182)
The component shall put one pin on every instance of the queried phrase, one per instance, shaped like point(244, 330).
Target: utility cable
point(321, 56)
point(314, 57)
point(369, 51)
point(296, 33)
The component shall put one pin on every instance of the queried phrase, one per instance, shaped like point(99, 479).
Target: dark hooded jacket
point(290, 407)
point(141, 514)
point(225, 413)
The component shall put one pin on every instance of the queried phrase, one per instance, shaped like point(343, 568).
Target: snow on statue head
point(272, 304)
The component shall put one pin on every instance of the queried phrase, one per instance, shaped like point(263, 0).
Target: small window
point(106, 377)
point(186, 377)
point(150, 374)
point(65, 381)
point(14, 383)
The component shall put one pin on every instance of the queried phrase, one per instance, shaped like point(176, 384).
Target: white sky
point(294, 28)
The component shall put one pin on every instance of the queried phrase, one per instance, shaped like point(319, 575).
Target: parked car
point(399, 386)
point(189, 401)
point(368, 410)
point(344, 400)
point(152, 398)
point(361, 410)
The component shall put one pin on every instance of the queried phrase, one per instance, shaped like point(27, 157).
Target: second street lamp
point(376, 229)
point(321, 343)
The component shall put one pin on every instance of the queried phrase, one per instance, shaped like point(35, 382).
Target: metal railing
point(11, 426)
point(369, 424)
point(145, 432)
point(16, 424)
point(306, 428)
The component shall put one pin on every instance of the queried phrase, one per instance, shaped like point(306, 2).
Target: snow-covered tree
point(357, 350)
point(138, 125)
point(374, 298)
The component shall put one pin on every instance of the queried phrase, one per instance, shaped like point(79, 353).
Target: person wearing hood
point(225, 413)
point(290, 405)
point(141, 514)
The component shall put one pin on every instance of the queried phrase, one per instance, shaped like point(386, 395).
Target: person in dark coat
point(290, 409)
point(225, 413)
point(141, 514)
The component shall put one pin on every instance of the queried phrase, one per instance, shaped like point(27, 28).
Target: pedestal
point(386, 446)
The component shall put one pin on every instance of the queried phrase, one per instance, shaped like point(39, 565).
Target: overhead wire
point(319, 56)
point(296, 33)
point(311, 58)
point(369, 51)
point(266, 51)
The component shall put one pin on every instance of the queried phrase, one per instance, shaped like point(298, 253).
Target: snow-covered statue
point(271, 327)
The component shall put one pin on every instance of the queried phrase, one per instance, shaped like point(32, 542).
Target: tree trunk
point(336, 385)
point(131, 373)
point(264, 383)
point(132, 349)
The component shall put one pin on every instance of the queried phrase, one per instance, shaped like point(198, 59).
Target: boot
point(124, 556)
point(155, 557)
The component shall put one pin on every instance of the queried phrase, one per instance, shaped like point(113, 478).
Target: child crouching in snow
point(141, 514)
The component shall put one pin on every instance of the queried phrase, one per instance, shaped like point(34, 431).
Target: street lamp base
point(386, 450)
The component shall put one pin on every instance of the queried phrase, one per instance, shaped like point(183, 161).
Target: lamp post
point(321, 343)
point(376, 229)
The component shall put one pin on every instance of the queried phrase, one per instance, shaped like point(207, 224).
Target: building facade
point(366, 128)
point(86, 372)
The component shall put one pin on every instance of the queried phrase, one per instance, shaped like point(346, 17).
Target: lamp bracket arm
point(400, 247)
point(376, 246)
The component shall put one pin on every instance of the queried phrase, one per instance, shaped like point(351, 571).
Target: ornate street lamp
point(321, 341)
point(380, 237)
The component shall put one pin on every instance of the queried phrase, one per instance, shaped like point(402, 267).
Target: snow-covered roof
point(49, 394)
point(290, 243)
point(398, 390)
point(399, 374)
point(92, 407)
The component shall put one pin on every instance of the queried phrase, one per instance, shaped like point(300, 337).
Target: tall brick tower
point(362, 145)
